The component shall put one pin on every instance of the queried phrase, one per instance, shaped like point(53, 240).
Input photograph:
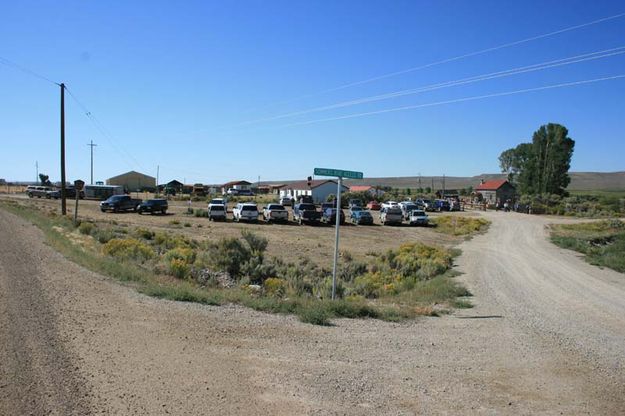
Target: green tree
point(44, 179)
point(540, 166)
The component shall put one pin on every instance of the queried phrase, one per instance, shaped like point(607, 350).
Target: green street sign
point(338, 173)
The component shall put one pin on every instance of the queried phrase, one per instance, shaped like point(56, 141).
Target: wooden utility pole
point(63, 202)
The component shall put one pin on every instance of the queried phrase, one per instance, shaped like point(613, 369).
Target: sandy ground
point(287, 241)
point(546, 337)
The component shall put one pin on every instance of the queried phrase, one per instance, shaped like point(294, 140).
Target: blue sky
point(180, 84)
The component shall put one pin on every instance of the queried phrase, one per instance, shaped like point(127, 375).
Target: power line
point(463, 81)
point(21, 68)
point(104, 132)
point(456, 58)
point(458, 100)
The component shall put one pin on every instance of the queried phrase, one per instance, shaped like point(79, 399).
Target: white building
point(318, 189)
point(236, 185)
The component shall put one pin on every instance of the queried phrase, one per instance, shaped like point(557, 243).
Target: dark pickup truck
point(118, 203)
point(153, 206)
point(305, 212)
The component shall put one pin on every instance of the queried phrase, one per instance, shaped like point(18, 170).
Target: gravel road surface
point(547, 336)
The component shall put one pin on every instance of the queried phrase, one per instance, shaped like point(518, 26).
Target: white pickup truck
point(245, 212)
point(275, 212)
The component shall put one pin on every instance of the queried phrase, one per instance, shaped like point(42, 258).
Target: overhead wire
point(456, 58)
point(463, 81)
point(28, 71)
point(457, 100)
point(99, 126)
point(104, 132)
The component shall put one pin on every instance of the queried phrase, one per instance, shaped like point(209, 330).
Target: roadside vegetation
point(579, 204)
point(602, 242)
point(413, 280)
point(460, 226)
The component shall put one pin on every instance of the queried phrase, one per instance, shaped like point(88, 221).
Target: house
point(318, 189)
point(133, 181)
point(496, 191)
point(174, 187)
point(275, 189)
point(371, 190)
point(263, 189)
point(238, 185)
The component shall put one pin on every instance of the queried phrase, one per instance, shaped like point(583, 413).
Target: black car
point(153, 206)
point(329, 216)
point(70, 192)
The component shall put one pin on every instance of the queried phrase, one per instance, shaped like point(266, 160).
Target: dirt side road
point(94, 346)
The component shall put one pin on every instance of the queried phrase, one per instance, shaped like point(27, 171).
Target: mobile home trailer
point(102, 192)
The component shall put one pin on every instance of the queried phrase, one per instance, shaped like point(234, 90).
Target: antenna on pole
point(92, 145)
point(37, 172)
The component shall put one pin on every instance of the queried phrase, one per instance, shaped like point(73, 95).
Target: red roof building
point(491, 185)
point(496, 192)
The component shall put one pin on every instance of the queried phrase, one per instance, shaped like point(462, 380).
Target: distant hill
point(580, 181)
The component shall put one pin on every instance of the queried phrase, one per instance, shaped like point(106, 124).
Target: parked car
point(275, 212)
point(391, 215)
point(329, 216)
point(217, 212)
point(326, 205)
point(245, 192)
point(38, 191)
point(305, 199)
point(245, 212)
point(70, 192)
point(428, 205)
point(118, 203)
point(354, 209)
point(354, 203)
point(420, 203)
point(217, 201)
point(361, 217)
point(390, 204)
point(441, 205)
point(305, 212)
point(286, 201)
point(418, 217)
point(407, 208)
point(374, 206)
point(153, 206)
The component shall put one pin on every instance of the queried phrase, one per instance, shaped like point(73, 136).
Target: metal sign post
point(340, 174)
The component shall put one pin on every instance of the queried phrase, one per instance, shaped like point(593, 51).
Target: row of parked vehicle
point(306, 212)
point(303, 212)
point(121, 203)
point(51, 193)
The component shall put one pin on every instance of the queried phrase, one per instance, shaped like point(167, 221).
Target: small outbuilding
point(133, 181)
point(318, 189)
point(236, 185)
point(496, 192)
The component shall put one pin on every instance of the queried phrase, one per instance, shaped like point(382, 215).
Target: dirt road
point(545, 337)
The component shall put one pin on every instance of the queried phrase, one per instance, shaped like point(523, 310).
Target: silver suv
point(391, 215)
point(38, 191)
